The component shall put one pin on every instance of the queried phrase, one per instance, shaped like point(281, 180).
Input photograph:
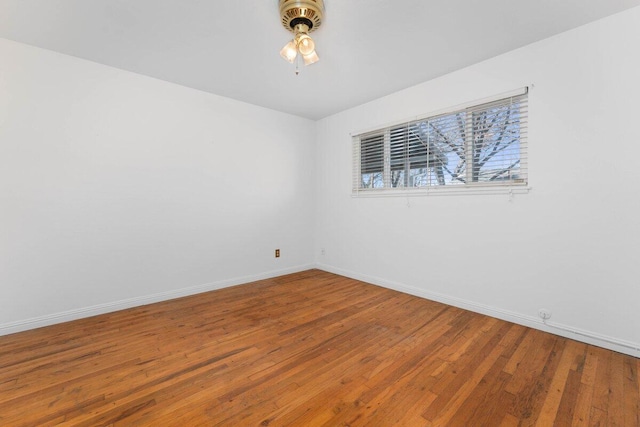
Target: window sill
point(474, 189)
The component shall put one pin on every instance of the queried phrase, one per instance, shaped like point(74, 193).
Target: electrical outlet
point(544, 313)
point(277, 253)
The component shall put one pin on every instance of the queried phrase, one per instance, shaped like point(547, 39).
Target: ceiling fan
point(301, 17)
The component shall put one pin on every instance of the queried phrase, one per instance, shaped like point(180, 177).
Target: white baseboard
point(66, 316)
point(611, 343)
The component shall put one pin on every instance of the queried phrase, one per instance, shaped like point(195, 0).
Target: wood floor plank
point(538, 393)
point(549, 410)
point(602, 385)
point(631, 410)
point(489, 355)
point(566, 408)
point(309, 349)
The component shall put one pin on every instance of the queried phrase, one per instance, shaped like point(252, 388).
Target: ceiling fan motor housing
point(307, 12)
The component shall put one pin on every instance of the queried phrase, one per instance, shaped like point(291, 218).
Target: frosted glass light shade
point(306, 44)
point(289, 52)
point(310, 58)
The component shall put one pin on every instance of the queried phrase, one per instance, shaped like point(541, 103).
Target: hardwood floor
point(309, 349)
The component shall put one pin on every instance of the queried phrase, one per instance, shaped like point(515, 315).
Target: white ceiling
point(368, 48)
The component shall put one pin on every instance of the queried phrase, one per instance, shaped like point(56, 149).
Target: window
point(480, 146)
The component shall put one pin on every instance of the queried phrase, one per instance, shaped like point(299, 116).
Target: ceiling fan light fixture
point(301, 17)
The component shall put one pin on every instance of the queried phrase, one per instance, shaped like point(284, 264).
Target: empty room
point(319, 213)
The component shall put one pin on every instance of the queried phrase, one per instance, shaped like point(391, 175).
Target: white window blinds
point(481, 145)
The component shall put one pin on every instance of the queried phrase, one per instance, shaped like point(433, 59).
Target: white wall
point(117, 189)
point(571, 245)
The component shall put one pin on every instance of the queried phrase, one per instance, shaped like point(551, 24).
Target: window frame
point(519, 184)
